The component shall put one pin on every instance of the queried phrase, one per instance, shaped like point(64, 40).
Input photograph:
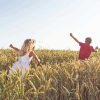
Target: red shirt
point(85, 51)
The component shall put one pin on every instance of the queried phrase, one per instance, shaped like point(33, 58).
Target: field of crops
point(61, 77)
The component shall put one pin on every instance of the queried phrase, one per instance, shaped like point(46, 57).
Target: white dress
point(23, 64)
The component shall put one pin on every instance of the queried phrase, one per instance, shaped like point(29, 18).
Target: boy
point(85, 48)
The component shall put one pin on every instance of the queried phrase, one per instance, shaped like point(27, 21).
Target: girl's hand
point(11, 45)
point(39, 64)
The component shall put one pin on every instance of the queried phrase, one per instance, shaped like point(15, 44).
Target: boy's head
point(88, 40)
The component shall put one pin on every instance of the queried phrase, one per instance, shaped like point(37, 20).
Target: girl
point(26, 54)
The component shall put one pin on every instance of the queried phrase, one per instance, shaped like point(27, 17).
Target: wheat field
point(60, 77)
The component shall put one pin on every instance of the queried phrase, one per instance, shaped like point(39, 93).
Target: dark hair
point(88, 40)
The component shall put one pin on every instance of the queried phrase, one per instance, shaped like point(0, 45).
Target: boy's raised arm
point(74, 38)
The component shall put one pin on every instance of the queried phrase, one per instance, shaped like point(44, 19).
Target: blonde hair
point(26, 47)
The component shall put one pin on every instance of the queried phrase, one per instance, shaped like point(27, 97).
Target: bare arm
point(16, 49)
point(35, 56)
point(94, 49)
point(74, 38)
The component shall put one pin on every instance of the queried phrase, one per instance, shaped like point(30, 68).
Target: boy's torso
point(85, 51)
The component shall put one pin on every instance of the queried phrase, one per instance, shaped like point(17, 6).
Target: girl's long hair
point(26, 47)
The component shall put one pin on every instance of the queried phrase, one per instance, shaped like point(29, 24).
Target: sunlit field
point(61, 76)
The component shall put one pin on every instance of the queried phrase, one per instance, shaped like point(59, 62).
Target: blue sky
point(49, 22)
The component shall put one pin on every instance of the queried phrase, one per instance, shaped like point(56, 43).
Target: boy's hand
point(71, 34)
point(74, 38)
point(96, 47)
point(11, 45)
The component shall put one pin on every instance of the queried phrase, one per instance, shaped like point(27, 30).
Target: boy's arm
point(74, 38)
point(16, 49)
point(94, 50)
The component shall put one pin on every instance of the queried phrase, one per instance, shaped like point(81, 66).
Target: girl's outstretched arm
point(16, 49)
point(74, 38)
point(32, 53)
